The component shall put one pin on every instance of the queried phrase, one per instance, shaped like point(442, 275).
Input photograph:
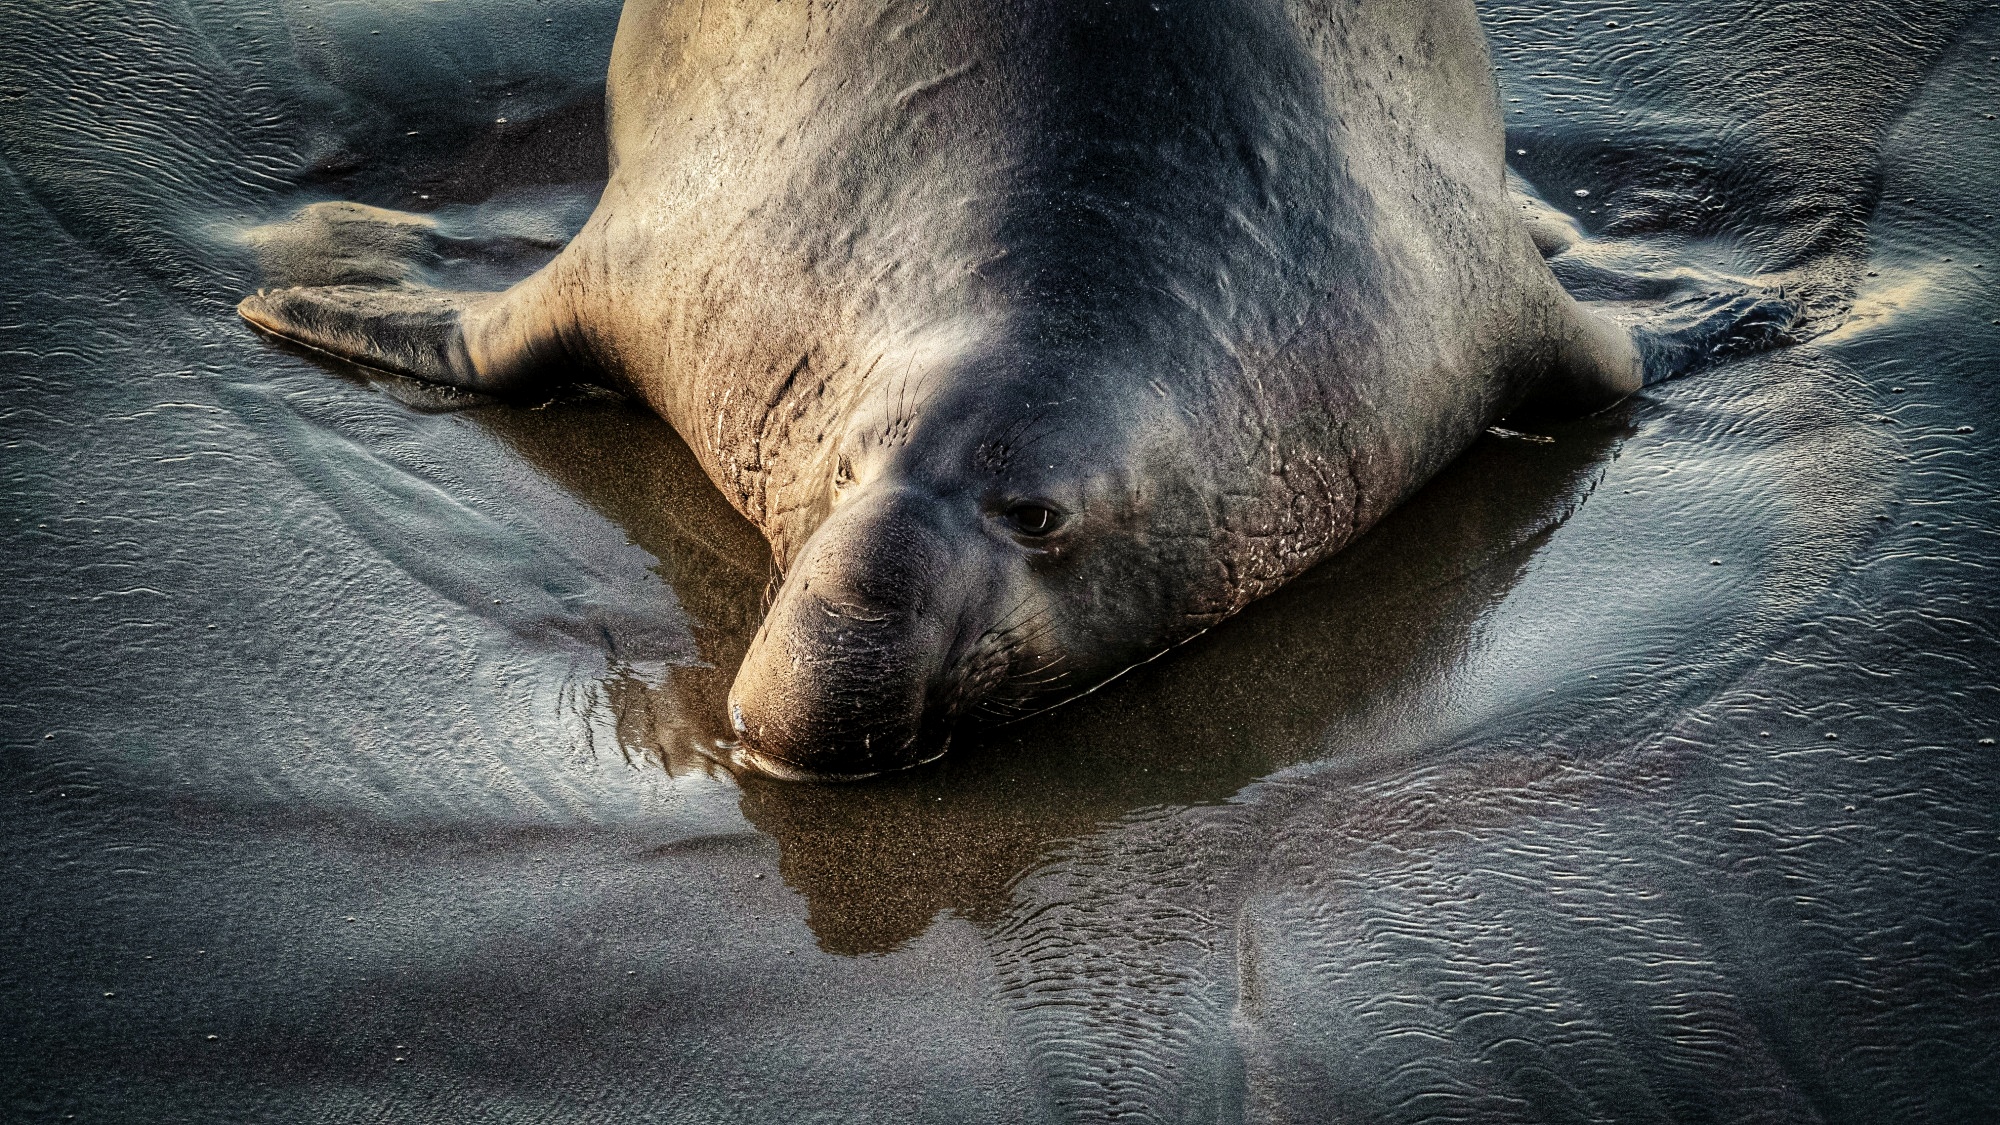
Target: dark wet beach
point(354, 733)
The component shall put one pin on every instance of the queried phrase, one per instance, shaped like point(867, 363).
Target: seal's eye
point(1034, 520)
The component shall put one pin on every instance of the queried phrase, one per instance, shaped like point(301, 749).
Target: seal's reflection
point(633, 469)
point(1345, 652)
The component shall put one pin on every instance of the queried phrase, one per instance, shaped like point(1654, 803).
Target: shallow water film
point(358, 737)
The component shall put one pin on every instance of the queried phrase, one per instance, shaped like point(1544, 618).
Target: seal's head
point(994, 538)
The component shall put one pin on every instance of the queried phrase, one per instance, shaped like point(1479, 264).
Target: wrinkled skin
point(1036, 337)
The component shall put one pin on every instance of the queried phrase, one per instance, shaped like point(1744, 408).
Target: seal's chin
point(742, 759)
point(741, 756)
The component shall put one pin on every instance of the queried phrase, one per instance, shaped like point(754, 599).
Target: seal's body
point(1036, 336)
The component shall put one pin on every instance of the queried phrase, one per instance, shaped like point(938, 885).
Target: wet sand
point(355, 734)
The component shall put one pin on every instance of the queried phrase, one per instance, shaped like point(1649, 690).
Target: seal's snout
point(841, 680)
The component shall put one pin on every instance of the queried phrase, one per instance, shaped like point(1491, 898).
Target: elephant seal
point(1037, 337)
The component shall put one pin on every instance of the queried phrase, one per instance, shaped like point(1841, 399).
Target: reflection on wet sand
point(1348, 650)
point(633, 469)
point(1345, 651)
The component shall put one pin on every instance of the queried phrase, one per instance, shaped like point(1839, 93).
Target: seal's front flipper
point(506, 343)
point(1610, 351)
point(1706, 327)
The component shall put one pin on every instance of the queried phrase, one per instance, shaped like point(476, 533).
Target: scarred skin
point(1037, 337)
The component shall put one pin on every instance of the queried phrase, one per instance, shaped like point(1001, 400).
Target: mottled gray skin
point(1217, 285)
